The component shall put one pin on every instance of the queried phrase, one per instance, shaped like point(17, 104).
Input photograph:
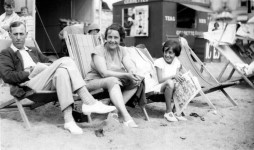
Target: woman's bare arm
point(101, 67)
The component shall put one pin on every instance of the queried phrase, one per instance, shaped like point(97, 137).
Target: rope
point(223, 33)
point(46, 31)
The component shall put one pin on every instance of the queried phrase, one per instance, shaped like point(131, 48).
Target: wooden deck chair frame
point(38, 97)
point(147, 54)
point(232, 59)
point(210, 83)
point(157, 97)
point(80, 46)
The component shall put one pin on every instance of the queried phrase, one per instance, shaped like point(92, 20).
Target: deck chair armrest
point(44, 92)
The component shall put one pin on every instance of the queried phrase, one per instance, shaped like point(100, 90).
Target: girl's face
point(168, 55)
point(113, 39)
point(8, 9)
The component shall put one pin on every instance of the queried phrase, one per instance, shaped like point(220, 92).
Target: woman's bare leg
point(115, 93)
point(117, 98)
point(127, 94)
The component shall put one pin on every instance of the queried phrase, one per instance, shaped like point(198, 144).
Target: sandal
point(130, 123)
point(170, 117)
point(181, 118)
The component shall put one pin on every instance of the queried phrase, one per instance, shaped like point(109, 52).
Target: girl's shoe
point(130, 123)
point(181, 118)
point(73, 128)
point(170, 117)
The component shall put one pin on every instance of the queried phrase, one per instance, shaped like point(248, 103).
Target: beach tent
point(47, 14)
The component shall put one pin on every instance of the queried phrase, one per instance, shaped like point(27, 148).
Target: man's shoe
point(98, 108)
point(73, 128)
point(170, 117)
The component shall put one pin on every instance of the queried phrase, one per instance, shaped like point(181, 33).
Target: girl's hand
point(179, 78)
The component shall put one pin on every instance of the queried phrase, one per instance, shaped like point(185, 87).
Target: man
point(24, 67)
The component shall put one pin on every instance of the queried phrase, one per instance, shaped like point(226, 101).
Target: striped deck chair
point(207, 81)
point(160, 97)
point(38, 97)
point(233, 58)
point(80, 47)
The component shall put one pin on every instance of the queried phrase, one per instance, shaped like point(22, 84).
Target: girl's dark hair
point(175, 45)
point(117, 27)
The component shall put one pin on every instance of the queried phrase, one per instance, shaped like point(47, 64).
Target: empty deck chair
point(233, 57)
point(80, 47)
point(207, 81)
point(38, 97)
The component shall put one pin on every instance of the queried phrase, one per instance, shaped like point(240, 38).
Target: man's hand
point(29, 69)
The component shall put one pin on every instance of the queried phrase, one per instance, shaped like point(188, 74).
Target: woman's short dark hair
point(175, 45)
point(117, 27)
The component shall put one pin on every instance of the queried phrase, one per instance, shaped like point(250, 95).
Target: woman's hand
point(132, 77)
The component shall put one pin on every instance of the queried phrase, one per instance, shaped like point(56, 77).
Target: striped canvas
point(80, 47)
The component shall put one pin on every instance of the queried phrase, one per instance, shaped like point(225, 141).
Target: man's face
point(18, 36)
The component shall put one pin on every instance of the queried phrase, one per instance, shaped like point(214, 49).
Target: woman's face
point(8, 9)
point(168, 55)
point(113, 39)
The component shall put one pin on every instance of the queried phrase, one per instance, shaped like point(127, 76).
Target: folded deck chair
point(80, 48)
point(234, 58)
point(207, 81)
point(38, 97)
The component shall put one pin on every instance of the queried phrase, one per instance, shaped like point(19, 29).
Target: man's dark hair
point(175, 45)
point(16, 24)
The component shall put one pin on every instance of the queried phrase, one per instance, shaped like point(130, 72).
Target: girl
point(168, 72)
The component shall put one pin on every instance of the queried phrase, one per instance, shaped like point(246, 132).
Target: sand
point(228, 128)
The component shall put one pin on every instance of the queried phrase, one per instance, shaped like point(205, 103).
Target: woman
point(9, 15)
point(113, 70)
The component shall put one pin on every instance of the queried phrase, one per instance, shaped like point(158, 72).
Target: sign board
point(135, 20)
